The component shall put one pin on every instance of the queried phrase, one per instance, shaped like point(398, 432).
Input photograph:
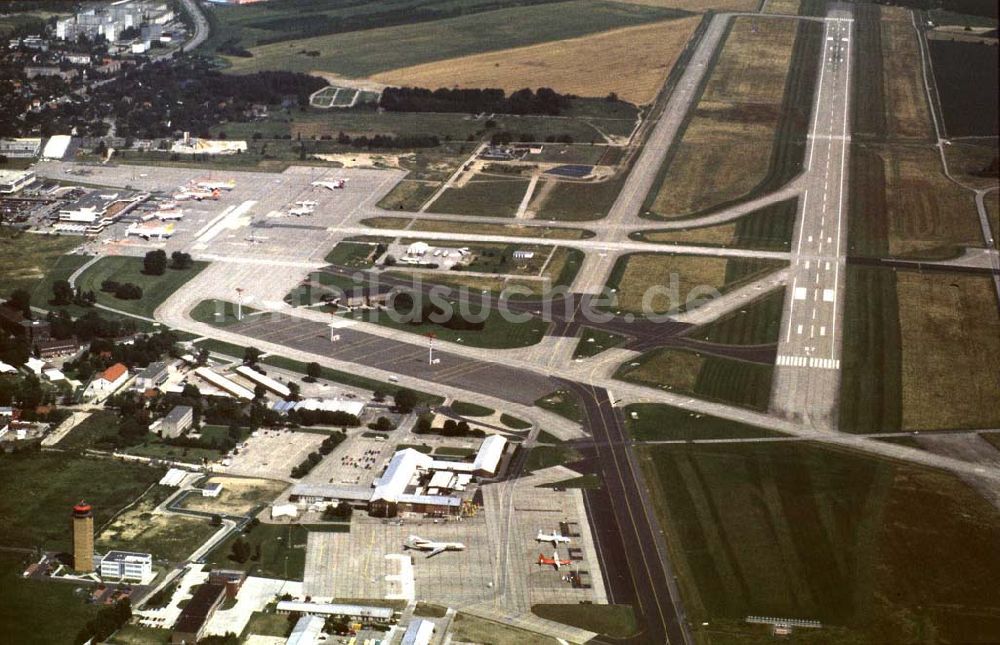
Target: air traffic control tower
point(83, 537)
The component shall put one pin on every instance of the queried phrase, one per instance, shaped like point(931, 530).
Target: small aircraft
point(298, 211)
point(554, 537)
point(554, 561)
point(215, 185)
point(172, 214)
point(418, 543)
point(336, 184)
point(307, 203)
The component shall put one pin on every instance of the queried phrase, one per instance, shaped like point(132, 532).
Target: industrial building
point(152, 376)
point(177, 421)
point(12, 181)
point(123, 565)
point(326, 405)
point(222, 383)
point(20, 148)
point(83, 537)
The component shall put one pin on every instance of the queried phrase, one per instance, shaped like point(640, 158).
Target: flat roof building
point(190, 625)
point(177, 421)
point(12, 181)
point(307, 630)
point(20, 148)
point(357, 612)
point(124, 565)
point(258, 378)
point(152, 376)
point(418, 632)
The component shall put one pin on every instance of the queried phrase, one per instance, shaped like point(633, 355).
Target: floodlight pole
point(239, 303)
point(430, 349)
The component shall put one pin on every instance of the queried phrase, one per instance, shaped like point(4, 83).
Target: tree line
point(544, 100)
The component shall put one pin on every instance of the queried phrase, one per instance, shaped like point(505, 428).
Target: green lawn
point(26, 258)
point(139, 635)
point(220, 313)
point(155, 289)
point(40, 489)
point(352, 254)
point(486, 196)
point(265, 624)
point(60, 269)
point(769, 228)
point(880, 552)
point(563, 403)
point(100, 425)
point(617, 621)
point(653, 421)
point(39, 611)
point(363, 53)
point(497, 332)
point(544, 456)
point(594, 341)
point(466, 409)
point(514, 422)
point(282, 552)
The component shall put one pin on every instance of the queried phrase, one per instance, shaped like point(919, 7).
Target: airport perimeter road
point(652, 590)
point(807, 372)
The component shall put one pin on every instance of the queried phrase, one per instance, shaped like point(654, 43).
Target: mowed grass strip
point(658, 422)
point(726, 147)
point(951, 340)
point(704, 376)
point(155, 288)
point(906, 111)
point(631, 62)
point(769, 228)
point(485, 197)
point(757, 323)
point(363, 53)
point(446, 226)
point(799, 531)
point(657, 283)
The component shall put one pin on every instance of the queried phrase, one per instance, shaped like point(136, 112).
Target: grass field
point(409, 195)
point(656, 422)
point(757, 323)
point(968, 161)
point(709, 377)
point(485, 197)
point(363, 53)
point(870, 386)
point(360, 255)
point(950, 333)
point(594, 341)
point(617, 621)
point(497, 332)
point(40, 490)
point(476, 228)
point(769, 228)
point(906, 111)
point(902, 205)
point(26, 258)
point(61, 268)
point(563, 403)
point(966, 78)
point(799, 531)
point(139, 635)
point(155, 288)
point(726, 148)
point(514, 422)
point(631, 62)
point(466, 409)
point(467, 628)
point(39, 612)
point(239, 495)
point(282, 552)
point(578, 201)
point(653, 276)
point(173, 538)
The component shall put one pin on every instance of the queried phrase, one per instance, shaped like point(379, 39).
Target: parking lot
point(273, 453)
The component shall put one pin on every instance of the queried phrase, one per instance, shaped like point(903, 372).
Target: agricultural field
point(39, 611)
point(631, 62)
point(239, 495)
point(27, 258)
point(654, 276)
point(966, 77)
point(709, 377)
point(748, 129)
point(792, 529)
point(155, 288)
point(658, 422)
point(483, 197)
point(364, 53)
point(40, 489)
point(902, 205)
point(757, 323)
point(167, 537)
point(769, 228)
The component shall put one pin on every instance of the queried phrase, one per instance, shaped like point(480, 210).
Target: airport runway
point(807, 374)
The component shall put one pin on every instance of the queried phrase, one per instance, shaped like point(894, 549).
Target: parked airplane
point(229, 184)
point(298, 211)
point(554, 561)
point(554, 537)
point(307, 203)
point(335, 184)
point(172, 214)
point(418, 543)
point(186, 194)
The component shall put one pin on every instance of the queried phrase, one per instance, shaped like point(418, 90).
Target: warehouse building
point(359, 613)
point(259, 378)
